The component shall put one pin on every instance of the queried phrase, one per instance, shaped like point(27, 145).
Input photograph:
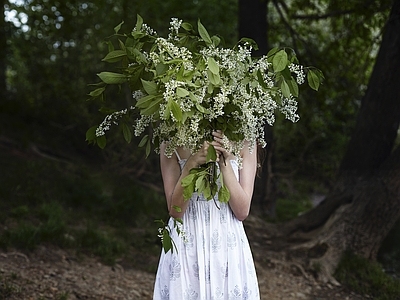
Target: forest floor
point(53, 273)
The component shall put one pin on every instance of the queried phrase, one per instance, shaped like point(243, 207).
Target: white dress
point(213, 261)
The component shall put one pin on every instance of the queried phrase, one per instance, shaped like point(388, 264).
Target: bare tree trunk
point(3, 52)
point(359, 226)
point(253, 24)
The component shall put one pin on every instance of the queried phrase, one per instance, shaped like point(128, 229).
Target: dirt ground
point(50, 273)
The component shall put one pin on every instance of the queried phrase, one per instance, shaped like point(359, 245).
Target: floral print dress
point(212, 259)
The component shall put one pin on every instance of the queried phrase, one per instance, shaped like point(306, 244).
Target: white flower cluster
point(298, 70)
point(207, 90)
point(289, 108)
point(174, 29)
point(167, 51)
point(109, 120)
point(147, 30)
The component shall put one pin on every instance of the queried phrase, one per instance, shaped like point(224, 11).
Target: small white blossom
point(299, 71)
point(174, 29)
point(110, 120)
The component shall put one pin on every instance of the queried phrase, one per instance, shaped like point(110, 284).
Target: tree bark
point(253, 24)
point(365, 203)
point(378, 119)
point(3, 53)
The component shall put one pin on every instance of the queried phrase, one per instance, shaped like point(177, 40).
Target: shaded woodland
point(329, 183)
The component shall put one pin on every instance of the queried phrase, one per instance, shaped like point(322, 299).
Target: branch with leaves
point(188, 84)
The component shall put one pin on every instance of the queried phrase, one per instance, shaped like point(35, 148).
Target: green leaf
point(137, 35)
point(181, 92)
point(200, 184)
point(286, 73)
point(126, 131)
point(166, 241)
point(152, 107)
point(114, 56)
point(91, 133)
point(313, 79)
point(211, 154)
point(97, 92)
point(122, 45)
point(272, 52)
point(188, 184)
point(285, 89)
point(203, 33)
point(167, 112)
point(188, 191)
point(139, 22)
point(112, 78)
point(224, 194)
point(118, 27)
point(176, 110)
point(161, 69)
point(188, 179)
point(207, 191)
point(145, 101)
point(101, 141)
point(201, 108)
point(138, 55)
point(216, 40)
point(150, 87)
point(201, 65)
point(294, 88)
point(280, 61)
point(148, 148)
point(187, 26)
point(215, 79)
point(213, 66)
point(177, 208)
point(143, 141)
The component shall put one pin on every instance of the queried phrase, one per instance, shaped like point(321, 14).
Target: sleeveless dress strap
point(177, 155)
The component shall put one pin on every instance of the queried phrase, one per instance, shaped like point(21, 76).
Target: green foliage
point(203, 180)
point(367, 278)
point(100, 243)
point(342, 39)
point(287, 209)
point(71, 207)
point(191, 59)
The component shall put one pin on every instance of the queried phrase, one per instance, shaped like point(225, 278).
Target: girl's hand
point(200, 157)
point(218, 143)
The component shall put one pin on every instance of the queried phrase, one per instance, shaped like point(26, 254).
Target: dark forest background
point(56, 189)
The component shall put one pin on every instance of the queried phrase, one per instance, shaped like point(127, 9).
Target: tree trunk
point(3, 53)
point(253, 24)
point(365, 203)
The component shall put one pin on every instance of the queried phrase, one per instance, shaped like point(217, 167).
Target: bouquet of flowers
point(186, 85)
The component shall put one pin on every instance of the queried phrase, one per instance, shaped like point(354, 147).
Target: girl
point(212, 259)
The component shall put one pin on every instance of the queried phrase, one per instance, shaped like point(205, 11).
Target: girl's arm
point(241, 192)
point(172, 177)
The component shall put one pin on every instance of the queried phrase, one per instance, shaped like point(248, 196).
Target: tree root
point(6, 255)
point(322, 255)
point(298, 266)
